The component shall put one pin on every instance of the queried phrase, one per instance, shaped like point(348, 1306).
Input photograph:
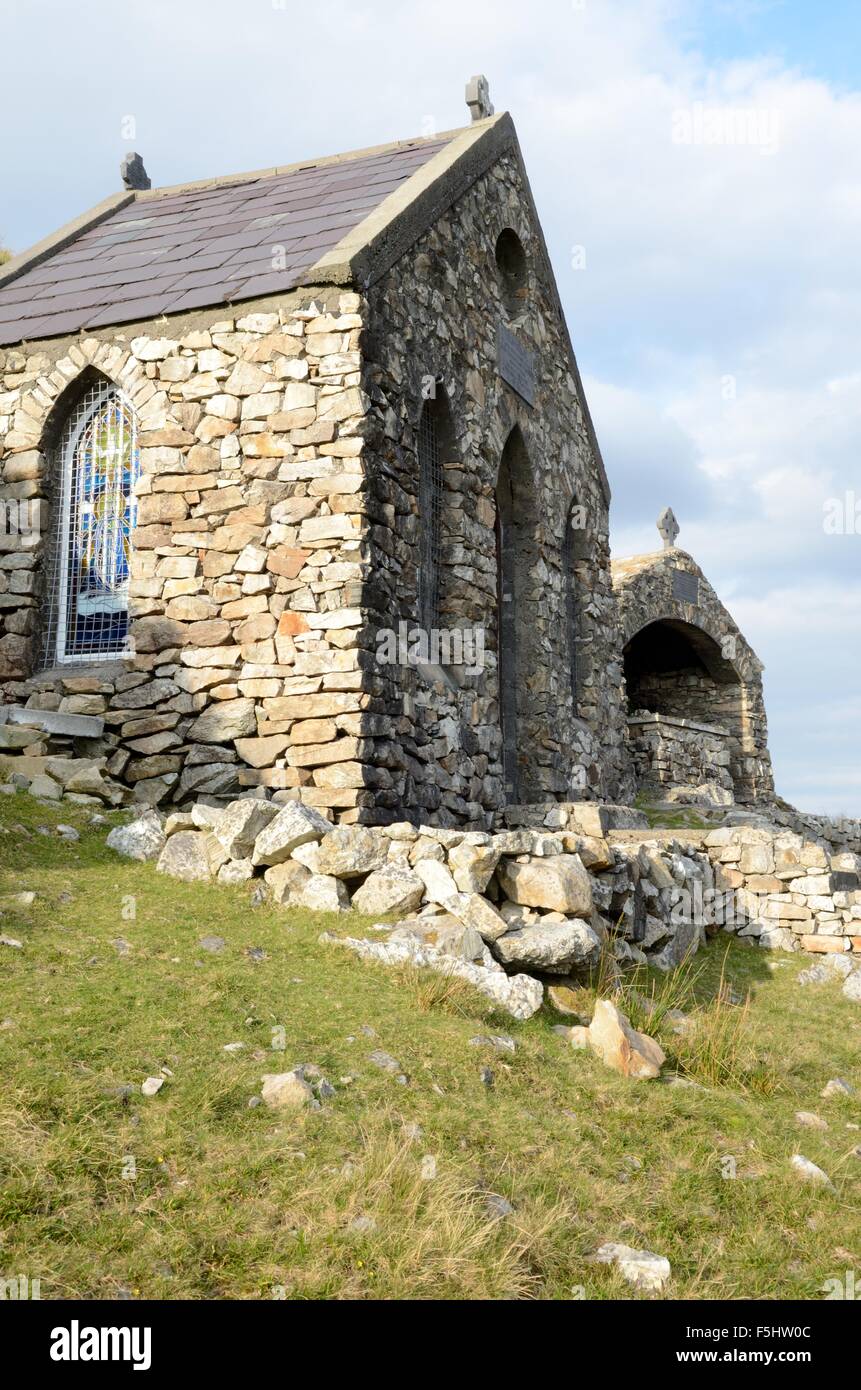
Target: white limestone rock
point(189, 856)
point(287, 882)
point(641, 1268)
point(323, 893)
point(852, 987)
point(809, 1172)
point(472, 866)
point(554, 947)
point(392, 889)
point(286, 1091)
point(479, 914)
point(294, 825)
point(143, 839)
point(350, 852)
point(518, 995)
point(236, 871)
point(439, 883)
point(240, 823)
point(558, 883)
point(443, 932)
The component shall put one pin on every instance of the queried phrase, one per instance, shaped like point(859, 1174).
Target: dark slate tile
point(190, 249)
point(52, 326)
point(128, 312)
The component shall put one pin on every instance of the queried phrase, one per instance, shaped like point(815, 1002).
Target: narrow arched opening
point(518, 619)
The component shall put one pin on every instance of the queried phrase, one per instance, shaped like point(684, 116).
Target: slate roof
point(172, 250)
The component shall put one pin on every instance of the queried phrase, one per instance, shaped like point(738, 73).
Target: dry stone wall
point(670, 753)
point(247, 558)
point(519, 910)
point(790, 892)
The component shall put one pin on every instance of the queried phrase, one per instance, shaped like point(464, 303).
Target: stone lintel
point(674, 722)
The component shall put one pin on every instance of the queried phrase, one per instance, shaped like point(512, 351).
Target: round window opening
point(513, 276)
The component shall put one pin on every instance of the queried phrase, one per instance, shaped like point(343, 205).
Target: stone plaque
point(516, 364)
point(686, 587)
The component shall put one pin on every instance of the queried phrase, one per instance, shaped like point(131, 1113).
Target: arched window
point(434, 439)
point(523, 716)
point(96, 467)
point(513, 270)
point(574, 550)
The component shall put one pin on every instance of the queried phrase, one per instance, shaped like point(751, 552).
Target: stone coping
point(53, 721)
point(679, 723)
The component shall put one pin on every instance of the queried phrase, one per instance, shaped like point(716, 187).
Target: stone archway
point(696, 710)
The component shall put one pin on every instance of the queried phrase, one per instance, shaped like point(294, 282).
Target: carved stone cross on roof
point(668, 528)
point(478, 98)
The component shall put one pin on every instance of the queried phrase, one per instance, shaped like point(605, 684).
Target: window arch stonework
point(96, 468)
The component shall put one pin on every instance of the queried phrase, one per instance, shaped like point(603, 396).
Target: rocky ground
point(517, 911)
point(205, 1098)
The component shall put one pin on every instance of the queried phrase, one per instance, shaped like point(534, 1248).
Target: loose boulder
point(554, 947)
point(286, 1091)
point(641, 1268)
point(473, 866)
point(392, 889)
point(558, 883)
point(620, 1046)
point(443, 932)
point(351, 852)
point(287, 882)
point(189, 856)
point(294, 825)
point(479, 914)
point(143, 839)
point(323, 893)
point(240, 823)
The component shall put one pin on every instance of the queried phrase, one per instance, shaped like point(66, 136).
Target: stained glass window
point(100, 461)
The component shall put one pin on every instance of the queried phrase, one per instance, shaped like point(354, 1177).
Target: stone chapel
point(302, 498)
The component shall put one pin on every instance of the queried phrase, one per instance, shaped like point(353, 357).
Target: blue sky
point(716, 300)
point(820, 39)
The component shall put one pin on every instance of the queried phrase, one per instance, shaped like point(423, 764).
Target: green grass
point(684, 818)
point(232, 1202)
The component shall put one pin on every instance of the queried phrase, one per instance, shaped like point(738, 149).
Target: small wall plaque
point(516, 364)
point(686, 587)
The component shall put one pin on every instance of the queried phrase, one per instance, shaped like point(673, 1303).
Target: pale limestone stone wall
point(435, 315)
point(790, 892)
point(247, 558)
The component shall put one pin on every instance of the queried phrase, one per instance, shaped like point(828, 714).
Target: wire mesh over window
point(569, 552)
point(430, 515)
point(96, 467)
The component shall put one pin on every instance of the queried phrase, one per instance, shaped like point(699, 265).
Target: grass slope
point(192, 1194)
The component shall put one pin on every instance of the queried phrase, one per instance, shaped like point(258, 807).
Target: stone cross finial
point(478, 98)
point(134, 175)
point(668, 528)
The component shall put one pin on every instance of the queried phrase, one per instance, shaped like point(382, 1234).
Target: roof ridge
point(320, 162)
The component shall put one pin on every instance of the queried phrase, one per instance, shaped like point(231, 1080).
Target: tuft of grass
point(719, 1051)
point(446, 994)
point(646, 997)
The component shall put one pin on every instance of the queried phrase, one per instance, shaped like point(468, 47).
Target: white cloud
point(703, 262)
